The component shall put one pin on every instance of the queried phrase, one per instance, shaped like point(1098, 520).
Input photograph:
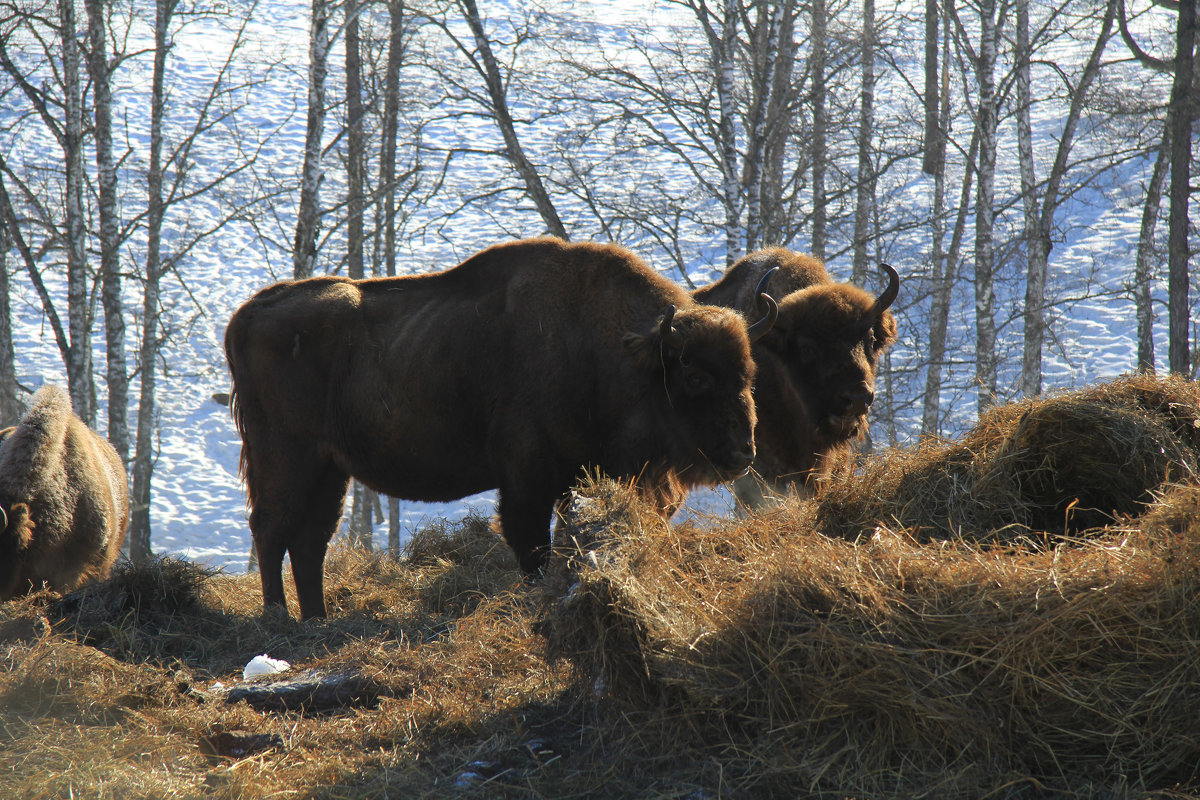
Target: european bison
point(64, 500)
point(816, 367)
point(514, 370)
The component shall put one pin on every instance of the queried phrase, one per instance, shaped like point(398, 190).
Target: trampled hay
point(968, 632)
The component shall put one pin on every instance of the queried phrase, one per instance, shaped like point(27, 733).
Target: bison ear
point(885, 331)
point(650, 347)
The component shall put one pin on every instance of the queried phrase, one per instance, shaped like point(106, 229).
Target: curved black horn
point(668, 333)
point(762, 282)
point(767, 305)
point(889, 294)
point(3, 519)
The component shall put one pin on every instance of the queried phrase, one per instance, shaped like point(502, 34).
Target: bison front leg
point(525, 523)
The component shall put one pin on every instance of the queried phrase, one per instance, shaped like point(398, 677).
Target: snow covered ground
point(198, 503)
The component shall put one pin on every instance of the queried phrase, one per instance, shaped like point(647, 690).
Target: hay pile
point(895, 667)
point(1058, 464)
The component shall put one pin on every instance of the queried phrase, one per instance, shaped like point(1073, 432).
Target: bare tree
point(483, 62)
point(143, 462)
point(1146, 256)
point(63, 228)
point(934, 149)
point(79, 364)
point(117, 372)
point(945, 260)
point(10, 407)
point(397, 43)
point(171, 186)
point(777, 133)
point(819, 126)
point(1039, 217)
point(1181, 113)
point(985, 210)
point(865, 189)
point(308, 217)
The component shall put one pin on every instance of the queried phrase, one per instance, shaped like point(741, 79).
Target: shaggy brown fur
point(514, 370)
point(816, 367)
point(65, 495)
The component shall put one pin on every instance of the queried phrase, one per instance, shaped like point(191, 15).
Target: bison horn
point(889, 294)
point(768, 307)
point(668, 333)
point(3, 519)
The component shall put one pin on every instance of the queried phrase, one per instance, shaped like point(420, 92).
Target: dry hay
point(898, 666)
point(1058, 464)
point(122, 690)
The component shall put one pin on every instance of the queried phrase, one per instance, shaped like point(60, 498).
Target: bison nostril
point(857, 402)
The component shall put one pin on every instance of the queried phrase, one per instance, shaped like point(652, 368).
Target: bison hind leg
point(297, 517)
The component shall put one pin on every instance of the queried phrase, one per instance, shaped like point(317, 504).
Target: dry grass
point(1058, 464)
point(758, 658)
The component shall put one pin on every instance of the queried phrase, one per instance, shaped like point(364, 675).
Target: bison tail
point(234, 345)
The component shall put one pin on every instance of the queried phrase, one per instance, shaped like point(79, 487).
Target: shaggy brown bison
point(514, 370)
point(64, 500)
point(816, 367)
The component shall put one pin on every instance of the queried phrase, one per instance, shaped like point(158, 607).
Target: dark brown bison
point(514, 370)
point(64, 500)
point(816, 367)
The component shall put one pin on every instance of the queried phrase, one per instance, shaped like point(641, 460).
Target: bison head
point(697, 406)
point(827, 341)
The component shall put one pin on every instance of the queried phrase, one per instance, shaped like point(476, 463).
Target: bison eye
point(697, 381)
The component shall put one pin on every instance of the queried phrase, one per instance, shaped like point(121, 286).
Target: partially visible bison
point(816, 367)
point(64, 500)
point(514, 370)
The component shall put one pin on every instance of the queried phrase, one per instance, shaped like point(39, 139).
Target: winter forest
point(1023, 164)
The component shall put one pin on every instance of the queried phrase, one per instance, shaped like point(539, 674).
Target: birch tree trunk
point(364, 499)
point(778, 130)
point(1036, 255)
point(10, 407)
point(387, 182)
point(985, 325)
point(79, 359)
point(143, 458)
point(756, 140)
point(308, 217)
point(817, 61)
point(117, 372)
point(355, 155)
point(865, 192)
point(726, 67)
point(490, 71)
point(1144, 271)
point(1178, 251)
point(934, 149)
point(944, 265)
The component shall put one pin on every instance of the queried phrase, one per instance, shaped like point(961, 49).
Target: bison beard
point(64, 500)
point(816, 367)
point(514, 370)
